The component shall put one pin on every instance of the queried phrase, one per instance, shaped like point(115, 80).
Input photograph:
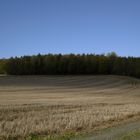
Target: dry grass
point(50, 105)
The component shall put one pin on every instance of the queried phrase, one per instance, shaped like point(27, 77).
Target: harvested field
point(48, 105)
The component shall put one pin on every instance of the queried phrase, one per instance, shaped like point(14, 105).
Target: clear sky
point(69, 26)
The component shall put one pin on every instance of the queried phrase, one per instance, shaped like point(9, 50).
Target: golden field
point(48, 105)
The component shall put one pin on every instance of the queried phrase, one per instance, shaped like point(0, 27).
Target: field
point(55, 105)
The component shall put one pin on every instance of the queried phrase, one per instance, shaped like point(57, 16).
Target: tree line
point(80, 64)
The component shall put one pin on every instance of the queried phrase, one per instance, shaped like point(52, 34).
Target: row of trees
point(72, 64)
point(2, 66)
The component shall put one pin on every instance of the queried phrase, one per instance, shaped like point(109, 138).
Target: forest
point(71, 64)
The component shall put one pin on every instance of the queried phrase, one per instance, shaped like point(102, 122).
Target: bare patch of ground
point(124, 131)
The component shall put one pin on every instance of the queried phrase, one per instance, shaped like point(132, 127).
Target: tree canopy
point(58, 64)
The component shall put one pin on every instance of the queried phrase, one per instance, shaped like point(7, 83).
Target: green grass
point(65, 136)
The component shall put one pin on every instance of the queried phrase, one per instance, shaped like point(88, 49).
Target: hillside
point(78, 84)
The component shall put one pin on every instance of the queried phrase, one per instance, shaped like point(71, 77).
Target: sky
point(29, 27)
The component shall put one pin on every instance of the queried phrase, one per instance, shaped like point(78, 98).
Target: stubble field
point(54, 105)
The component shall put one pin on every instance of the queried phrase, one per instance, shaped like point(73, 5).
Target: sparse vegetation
point(130, 136)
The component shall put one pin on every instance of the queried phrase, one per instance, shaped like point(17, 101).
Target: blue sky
point(69, 26)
